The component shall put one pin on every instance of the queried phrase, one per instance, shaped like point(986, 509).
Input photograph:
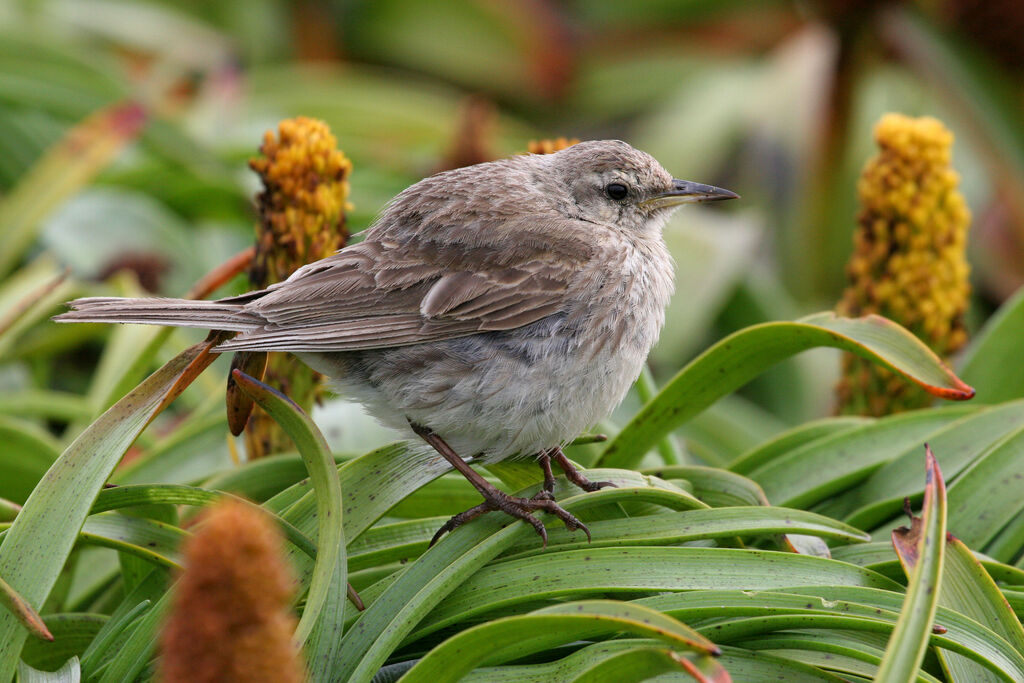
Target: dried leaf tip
point(909, 261)
point(230, 619)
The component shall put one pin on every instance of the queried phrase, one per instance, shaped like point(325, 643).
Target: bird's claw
point(520, 508)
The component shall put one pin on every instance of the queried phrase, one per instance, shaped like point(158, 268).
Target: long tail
point(214, 315)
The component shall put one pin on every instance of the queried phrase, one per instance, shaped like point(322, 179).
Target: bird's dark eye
point(616, 191)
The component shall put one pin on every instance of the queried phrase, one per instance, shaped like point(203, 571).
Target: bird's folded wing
point(371, 295)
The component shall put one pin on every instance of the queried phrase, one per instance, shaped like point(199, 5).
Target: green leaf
point(990, 362)
point(514, 637)
point(577, 574)
point(740, 357)
point(131, 658)
point(119, 497)
point(692, 525)
point(69, 673)
point(55, 405)
point(829, 465)
point(957, 446)
point(741, 615)
point(921, 549)
point(29, 450)
point(59, 505)
point(992, 485)
point(72, 633)
point(632, 659)
point(146, 539)
point(794, 438)
point(320, 627)
point(969, 590)
point(745, 665)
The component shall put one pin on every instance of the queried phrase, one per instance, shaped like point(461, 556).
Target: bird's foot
point(573, 474)
point(520, 508)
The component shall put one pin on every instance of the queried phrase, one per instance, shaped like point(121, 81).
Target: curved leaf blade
point(320, 627)
point(59, 505)
point(921, 549)
point(740, 357)
point(514, 637)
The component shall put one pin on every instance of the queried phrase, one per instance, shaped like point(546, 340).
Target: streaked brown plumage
point(499, 309)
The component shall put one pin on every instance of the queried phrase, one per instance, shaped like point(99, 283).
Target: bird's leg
point(573, 474)
point(494, 499)
point(547, 490)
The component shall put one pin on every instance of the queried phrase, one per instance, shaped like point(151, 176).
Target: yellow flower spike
point(909, 260)
point(302, 219)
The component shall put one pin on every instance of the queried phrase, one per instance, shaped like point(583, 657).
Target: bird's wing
point(379, 295)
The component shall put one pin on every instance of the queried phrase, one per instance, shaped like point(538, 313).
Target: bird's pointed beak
point(686, 192)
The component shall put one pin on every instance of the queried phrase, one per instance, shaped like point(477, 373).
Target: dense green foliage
point(752, 525)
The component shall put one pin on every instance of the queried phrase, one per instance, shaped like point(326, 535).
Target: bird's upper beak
point(685, 192)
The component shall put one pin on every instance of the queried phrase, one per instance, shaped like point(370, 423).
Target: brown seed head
point(230, 619)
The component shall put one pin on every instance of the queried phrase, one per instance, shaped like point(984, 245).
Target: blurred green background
point(774, 100)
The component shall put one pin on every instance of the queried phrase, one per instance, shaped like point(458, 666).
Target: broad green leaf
point(59, 505)
point(691, 525)
point(831, 607)
point(146, 539)
point(119, 497)
point(824, 467)
point(69, 673)
point(320, 626)
point(792, 439)
point(737, 359)
point(844, 652)
point(578, 574)
point(990, 363)
point(876, 555)
point(957, 446)
point(72, 633)
point(987, 496)
point(630, 659)
point(921, 550)
point(514, 637)
point(715, 486)
point(745, 665)
point(968, 589)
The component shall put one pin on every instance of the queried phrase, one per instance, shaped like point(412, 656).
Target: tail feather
point(213, 315)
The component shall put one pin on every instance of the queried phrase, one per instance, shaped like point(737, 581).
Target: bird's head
point(611, 183)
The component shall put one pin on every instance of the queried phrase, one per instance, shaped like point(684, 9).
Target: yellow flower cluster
point(909, 260)
point(550, 145)
point(303, 205)
point(302, 219)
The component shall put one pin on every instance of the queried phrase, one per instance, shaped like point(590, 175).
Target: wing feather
point(385, 294)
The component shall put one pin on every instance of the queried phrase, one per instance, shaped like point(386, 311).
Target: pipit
point(496, 310)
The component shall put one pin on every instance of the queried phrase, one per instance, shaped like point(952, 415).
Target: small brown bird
point(496, 310)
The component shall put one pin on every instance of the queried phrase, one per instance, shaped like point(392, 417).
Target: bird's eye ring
point(616, 191)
